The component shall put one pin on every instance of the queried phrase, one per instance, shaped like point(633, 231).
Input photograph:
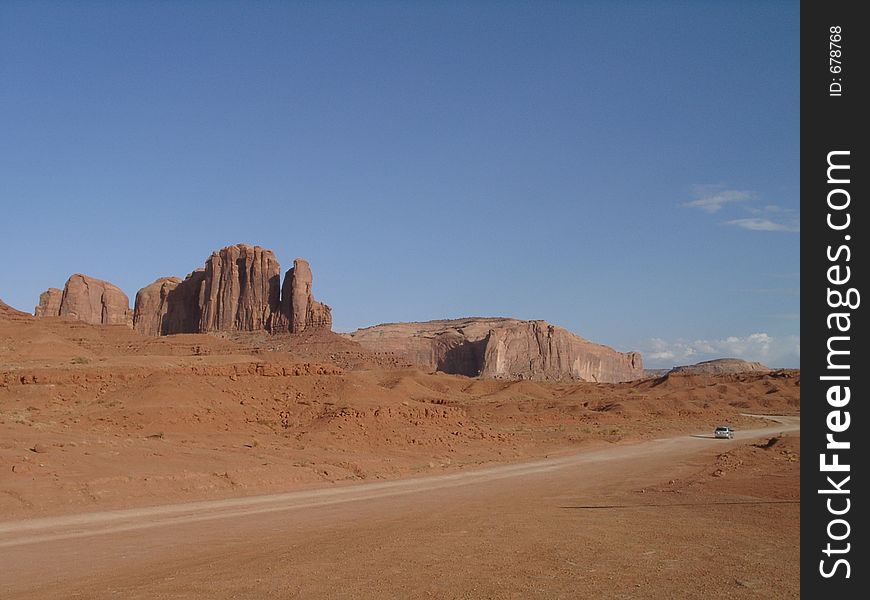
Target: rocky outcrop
point(298, 307)
point(501, 348)
point(11, 314)
point(240, 290)
point(95, 301)
point(169, 305)
point(49, 303)
point(721, 366)
point(237, 290)
point(538, 350)
point(152, 306)
point(87, 299)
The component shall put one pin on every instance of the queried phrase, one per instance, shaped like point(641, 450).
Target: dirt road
point(596, 524)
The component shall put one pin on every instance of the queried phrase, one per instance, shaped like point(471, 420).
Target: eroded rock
point(87, 299)
point(49, 303)
point(298, 307)
point(240, 290)
point(501, 348)
point(237, 290)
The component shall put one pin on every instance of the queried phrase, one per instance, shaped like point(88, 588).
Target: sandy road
point(501, 532)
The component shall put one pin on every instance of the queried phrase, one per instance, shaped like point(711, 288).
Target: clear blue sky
point(627, 170)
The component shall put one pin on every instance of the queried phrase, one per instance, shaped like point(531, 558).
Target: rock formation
point(95, 301)
point(49, 303)
point(152, 306)
point(721, 366)
point(10, 314)
point(536, 349)
point(502, 348)
point(87, 299)
point(238, 290)
point(298, 306)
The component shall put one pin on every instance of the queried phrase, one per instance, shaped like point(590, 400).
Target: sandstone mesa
point(721, 366)
point(502, 348)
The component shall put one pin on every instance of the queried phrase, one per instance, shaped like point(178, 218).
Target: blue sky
point(627, 170)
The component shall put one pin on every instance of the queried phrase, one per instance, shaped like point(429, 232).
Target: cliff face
point(299, 310)
point(170, 305)
point(87, 299)
point(536, 349)
point(49, 303)
point(237, 290)
point(305, 312)
point(240, 289)
point(502, 349)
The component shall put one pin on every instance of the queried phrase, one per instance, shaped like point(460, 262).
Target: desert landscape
point(401, 300)
point(223, 392)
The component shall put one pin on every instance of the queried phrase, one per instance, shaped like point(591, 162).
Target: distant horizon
point(131, 298)
point(629, 172)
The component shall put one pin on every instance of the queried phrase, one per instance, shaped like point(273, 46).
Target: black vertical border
point(832, 123)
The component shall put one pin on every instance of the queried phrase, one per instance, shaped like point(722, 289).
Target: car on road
point(723, 431)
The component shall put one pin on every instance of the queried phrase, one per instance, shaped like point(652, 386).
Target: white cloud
point(713, 198)
point(768, 217)
point(761, 224)
point(758, 346)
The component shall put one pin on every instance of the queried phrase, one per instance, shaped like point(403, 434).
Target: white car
point(723, 431)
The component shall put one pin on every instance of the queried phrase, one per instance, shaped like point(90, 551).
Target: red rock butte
point(238, 290)
point(86, 299)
